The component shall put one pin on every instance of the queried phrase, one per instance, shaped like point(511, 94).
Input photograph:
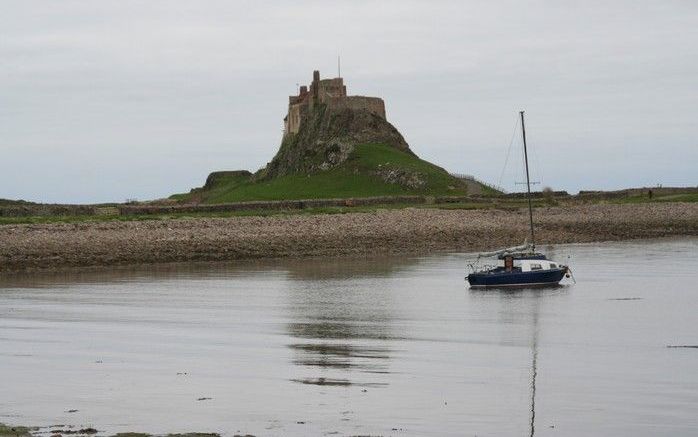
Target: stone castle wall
point(374, 105)
point(330, 92)
point(293, 119)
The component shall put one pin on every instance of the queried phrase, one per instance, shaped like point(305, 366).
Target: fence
point(469, 177)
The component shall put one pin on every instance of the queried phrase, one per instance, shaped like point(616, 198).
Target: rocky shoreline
point(28, 247)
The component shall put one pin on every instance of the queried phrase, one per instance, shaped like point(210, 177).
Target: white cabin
point(531, 265)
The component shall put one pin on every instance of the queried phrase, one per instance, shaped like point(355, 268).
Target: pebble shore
point(52, 246)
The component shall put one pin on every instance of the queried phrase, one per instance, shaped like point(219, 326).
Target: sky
point(114, 100)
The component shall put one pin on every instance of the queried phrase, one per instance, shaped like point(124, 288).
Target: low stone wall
point(47, 210)
point(536, 195)
point(28, 210)
point(656, 191)
point(269, 205)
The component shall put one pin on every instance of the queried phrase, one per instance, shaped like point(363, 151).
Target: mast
point(528, 180)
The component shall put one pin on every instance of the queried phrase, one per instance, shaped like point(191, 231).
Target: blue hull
point(516, 279)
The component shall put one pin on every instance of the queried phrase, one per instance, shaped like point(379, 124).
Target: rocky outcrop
point(401, 176)
point(327, 138)
point(220, 176)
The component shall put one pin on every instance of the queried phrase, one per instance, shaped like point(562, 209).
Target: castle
point(329, 92)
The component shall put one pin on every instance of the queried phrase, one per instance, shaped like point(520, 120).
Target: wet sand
point(50, 246)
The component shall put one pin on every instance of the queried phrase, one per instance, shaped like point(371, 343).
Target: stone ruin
point(329, 92)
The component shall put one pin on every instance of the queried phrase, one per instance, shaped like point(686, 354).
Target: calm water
point(388, 346)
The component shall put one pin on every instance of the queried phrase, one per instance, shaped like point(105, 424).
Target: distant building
point(329, 92)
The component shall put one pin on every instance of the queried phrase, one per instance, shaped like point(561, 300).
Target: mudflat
point(58, 245)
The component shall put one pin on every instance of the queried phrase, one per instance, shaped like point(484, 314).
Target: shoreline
point(56, 246)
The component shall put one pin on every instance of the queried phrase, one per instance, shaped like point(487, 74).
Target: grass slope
point(354, 178)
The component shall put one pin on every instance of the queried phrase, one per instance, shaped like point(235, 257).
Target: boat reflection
point(520, 310)
point(534, 368)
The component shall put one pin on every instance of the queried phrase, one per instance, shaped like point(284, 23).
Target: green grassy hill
point(370, 170)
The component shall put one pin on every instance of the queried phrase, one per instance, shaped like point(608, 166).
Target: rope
point(511, 142)
point(535, 162)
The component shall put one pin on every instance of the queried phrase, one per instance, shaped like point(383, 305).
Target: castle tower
point(315, 86)
point(329, 92)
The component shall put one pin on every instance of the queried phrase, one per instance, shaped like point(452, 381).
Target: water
point(382, 346)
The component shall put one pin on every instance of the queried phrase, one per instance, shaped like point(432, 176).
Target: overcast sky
point(109, 100)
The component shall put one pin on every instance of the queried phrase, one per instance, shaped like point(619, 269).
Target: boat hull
point(516, 279)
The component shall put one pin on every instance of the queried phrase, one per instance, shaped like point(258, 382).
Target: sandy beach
point(51, 246)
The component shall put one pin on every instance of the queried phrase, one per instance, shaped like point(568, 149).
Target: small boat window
point(536, 267)
point(553, 265)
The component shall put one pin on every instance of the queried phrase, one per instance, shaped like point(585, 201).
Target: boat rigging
point(522, 265)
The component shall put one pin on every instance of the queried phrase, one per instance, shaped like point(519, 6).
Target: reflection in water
point(340, 326)
point(295, 269)
point(338, 347)
point(341, 356)
point(521, 306)
point(333, 382)
point(534, 369)
point(333, 350)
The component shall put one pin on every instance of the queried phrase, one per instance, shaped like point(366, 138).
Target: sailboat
point(520, 266)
